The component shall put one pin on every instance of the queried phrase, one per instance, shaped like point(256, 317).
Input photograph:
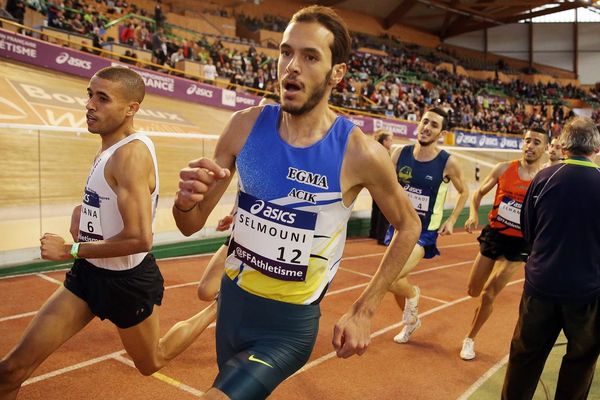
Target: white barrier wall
point(552, 45)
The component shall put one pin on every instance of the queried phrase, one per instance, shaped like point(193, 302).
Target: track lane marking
point(164, 378)
point(388, 328)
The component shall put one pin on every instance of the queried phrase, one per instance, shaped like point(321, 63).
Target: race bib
point(274, 240)
point(418, 197)
point(509, 212)
point(90, 229)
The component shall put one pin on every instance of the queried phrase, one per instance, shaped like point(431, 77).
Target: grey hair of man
point(580, 137)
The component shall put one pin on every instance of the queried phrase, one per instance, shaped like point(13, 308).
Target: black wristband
point(184, 211)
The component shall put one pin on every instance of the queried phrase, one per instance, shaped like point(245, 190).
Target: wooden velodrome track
point(93, 364)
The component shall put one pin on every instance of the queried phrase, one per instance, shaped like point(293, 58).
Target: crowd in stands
point(14, 9)
point(406, 81)
point(595, 93)
point(74, 16)
point(401, 84)
point(269, 22)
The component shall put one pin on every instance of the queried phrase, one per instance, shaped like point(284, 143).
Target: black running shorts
point(125, 298)
point(494, 244)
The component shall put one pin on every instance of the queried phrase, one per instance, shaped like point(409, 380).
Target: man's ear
point(338, 73)
point(133, 108)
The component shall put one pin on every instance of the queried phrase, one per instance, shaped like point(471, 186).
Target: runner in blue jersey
point(424, 171)
point(210, 282)
point(300, 168)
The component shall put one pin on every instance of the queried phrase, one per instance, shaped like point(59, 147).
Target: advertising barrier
point(486, 141)
point(62, 59)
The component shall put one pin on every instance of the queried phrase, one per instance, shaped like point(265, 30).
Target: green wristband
point(75, 250)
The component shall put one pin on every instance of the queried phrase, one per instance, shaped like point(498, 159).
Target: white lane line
point(66, 265)
point(72, 367)
point(17, 316)
point(380, 332)
point(49, 279)
point(347, 289)
point(32, 313)
point(182, 285)
point(479, 382)
point(355, 272)
point(388, 328)
point(165, 379)
point(362, 256)
point(414, 272)
point(381, 254)
point(435, 299)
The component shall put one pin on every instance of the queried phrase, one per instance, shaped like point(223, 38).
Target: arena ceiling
point(445, 18)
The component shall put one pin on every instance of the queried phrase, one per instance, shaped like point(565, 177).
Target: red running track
point(93, 364)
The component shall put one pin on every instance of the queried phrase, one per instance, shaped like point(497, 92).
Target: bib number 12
point(297, 253)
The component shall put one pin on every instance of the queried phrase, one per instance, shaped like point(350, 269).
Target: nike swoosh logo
point(258, 360)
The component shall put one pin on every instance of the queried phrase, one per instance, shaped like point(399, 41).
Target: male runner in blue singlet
point(300, 169)
point(424, 171)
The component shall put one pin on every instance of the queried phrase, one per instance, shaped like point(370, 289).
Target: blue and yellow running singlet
point(290, 225)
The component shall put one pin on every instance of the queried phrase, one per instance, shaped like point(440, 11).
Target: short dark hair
point(541, 131)
point(326, 16)
point(133, 84)
point(439, 111)
point(538, 130)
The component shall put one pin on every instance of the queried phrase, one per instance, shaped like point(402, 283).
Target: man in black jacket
point(560, 220)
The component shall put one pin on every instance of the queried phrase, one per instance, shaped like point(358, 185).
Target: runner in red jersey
point(502, 248)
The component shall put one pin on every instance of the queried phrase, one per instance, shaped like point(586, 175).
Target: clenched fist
point(54, 248)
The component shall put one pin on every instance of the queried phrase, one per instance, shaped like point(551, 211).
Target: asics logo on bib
point(272, 213)
point(514, 204)
point(257, 207)
point(411, 189)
